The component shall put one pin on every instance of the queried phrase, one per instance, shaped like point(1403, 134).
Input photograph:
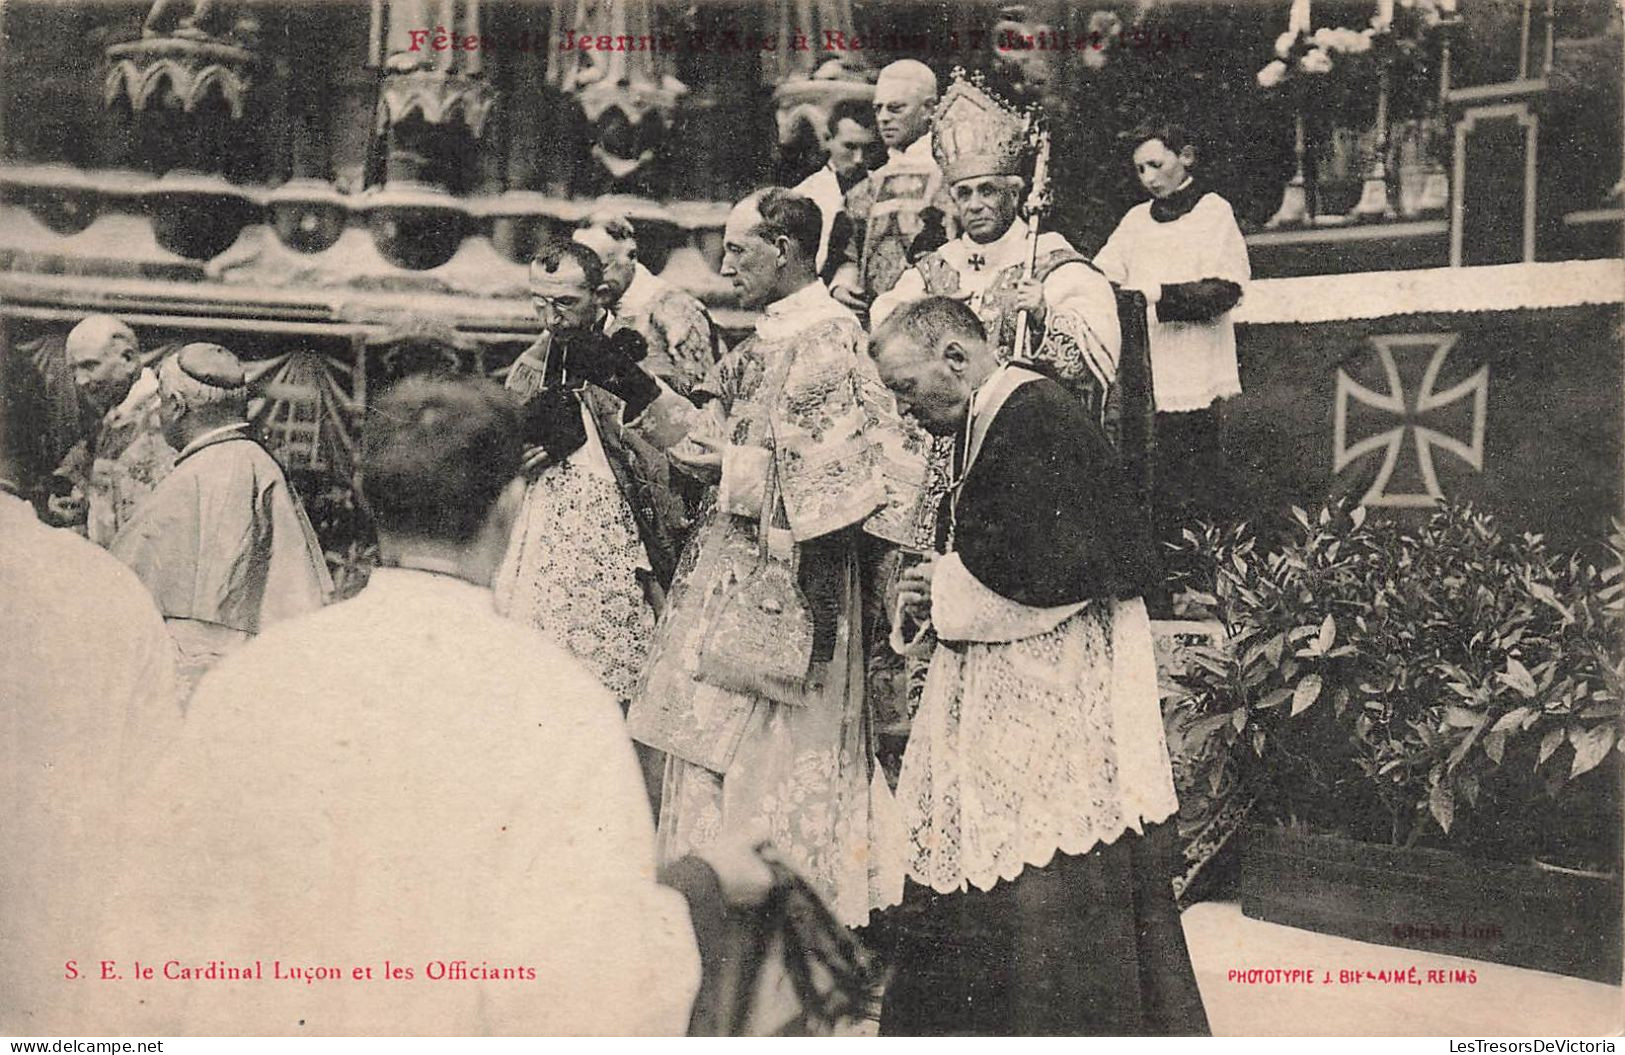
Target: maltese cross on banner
point(1411, 421)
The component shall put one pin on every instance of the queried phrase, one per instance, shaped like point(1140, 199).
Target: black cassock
point(1090, 943)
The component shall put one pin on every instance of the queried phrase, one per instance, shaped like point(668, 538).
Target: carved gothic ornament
point(437, 97)
point(628, 97)
point(175, 73)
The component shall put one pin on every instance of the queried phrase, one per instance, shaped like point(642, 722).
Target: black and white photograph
point(839, 518)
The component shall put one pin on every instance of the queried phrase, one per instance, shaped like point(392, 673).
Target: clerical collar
point(809, 296)
point(1177, 204)
point(985, 403)
point(235, 431)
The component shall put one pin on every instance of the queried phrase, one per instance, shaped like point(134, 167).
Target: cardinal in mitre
point(223, 544)
point(1072, 333)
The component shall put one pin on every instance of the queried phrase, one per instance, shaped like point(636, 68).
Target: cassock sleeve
point(1043, 517)
point(1198, 301)
point(839, 237)
point(1225, 267)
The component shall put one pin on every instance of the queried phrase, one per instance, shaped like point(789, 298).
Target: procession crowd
point(612, 690)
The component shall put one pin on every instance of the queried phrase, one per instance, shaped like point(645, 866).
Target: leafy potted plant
point(1425, 719)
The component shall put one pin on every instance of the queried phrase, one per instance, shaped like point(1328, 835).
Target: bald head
point(933, 354)
point(905, 95)
point(910, 74)
point(610, 236)
point(106, 360)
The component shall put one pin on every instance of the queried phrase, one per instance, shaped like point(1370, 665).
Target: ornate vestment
point(1040, 729)
point(798, 402)
point(122, 462)
point(577, 565)
point(1080, 340)
point(886, 212)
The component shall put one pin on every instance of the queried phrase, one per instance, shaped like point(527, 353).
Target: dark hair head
point(859, 113)
point(551, 255)
point(24, 419)
point(436, 454)
point(930, 323)
point(1174, 136)
point(785, 213)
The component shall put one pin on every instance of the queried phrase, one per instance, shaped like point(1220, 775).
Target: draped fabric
point(683, 340)
point(886, 214)
point(800, 401)
point(225, 548)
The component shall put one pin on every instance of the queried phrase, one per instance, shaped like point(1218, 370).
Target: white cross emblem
point(1412, 410)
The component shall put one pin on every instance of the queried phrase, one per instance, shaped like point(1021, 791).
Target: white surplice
point(407, 776)
point(87, 703)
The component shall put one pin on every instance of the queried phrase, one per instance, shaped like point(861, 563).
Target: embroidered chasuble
point(805, 424)
point(887, 210)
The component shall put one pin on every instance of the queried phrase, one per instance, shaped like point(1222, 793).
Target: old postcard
point(834, 517)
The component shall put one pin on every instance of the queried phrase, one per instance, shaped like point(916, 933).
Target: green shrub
point(1438, 683)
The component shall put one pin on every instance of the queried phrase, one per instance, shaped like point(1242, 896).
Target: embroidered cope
point(121, 464)
point(886, 209)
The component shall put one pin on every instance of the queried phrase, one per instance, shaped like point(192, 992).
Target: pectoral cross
point(977, 261)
